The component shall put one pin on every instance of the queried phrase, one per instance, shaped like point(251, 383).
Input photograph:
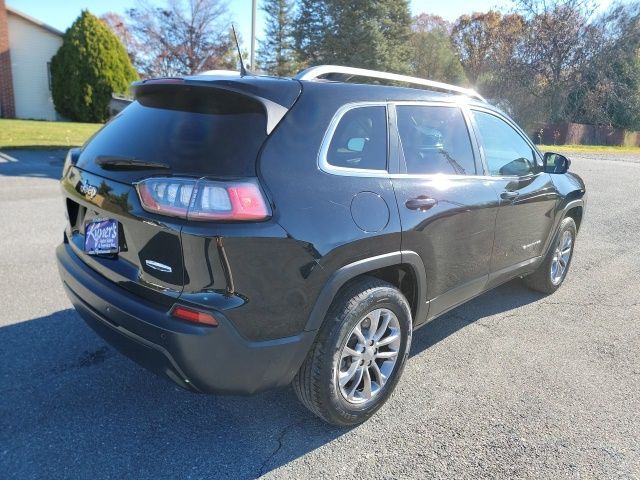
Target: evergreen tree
point(358, 33)
point(276, 53)
point(90, 65)
point(309, 32)
point(369, 34)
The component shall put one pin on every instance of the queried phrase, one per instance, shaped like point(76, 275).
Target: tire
point(547, 278)
point(339, 345)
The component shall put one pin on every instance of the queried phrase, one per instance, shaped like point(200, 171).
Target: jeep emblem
point(88, 190)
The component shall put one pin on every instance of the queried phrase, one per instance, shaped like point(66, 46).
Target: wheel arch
point(403, 269)
point(573, 209)
point(576, 212)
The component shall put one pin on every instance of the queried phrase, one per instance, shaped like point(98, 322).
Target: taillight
point(203, 200)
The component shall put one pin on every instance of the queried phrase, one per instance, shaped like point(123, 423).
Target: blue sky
point(61, 13)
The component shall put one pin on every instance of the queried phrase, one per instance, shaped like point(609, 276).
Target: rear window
point(195, 131)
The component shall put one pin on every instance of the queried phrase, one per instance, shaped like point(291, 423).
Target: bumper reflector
point(194, 316)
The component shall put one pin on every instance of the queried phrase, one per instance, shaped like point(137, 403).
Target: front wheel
point(553, 269)
point(359, 354)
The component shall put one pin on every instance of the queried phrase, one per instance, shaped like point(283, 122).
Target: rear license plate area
point(101, 237)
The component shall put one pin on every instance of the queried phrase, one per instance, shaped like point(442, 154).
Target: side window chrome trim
point(323, 163)
point(456, 102)
point(325, 166)
point(448, 176)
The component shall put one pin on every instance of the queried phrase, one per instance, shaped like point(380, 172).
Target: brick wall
point(7, 105)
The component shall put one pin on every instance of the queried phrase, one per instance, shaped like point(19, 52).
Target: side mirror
point(556, 163)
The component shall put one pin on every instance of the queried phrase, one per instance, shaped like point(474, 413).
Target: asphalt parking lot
point(512, 384)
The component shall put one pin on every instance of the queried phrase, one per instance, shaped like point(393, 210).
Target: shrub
point(90, 65)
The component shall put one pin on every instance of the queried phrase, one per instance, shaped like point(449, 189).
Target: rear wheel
point(359, 354)
point(553, 269)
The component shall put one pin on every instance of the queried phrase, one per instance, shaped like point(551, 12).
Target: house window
point(49, 74)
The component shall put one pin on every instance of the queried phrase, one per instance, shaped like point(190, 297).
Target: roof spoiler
point(274, 111)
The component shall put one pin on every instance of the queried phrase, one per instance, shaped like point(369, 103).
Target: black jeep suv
point(242, 233)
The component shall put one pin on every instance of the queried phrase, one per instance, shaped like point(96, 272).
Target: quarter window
point(360, 139)
point(505, 151)
point(435, 140)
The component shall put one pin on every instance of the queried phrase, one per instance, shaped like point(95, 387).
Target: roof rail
point(313, 73)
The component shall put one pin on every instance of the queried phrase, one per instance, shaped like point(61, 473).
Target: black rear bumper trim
point(211, 360)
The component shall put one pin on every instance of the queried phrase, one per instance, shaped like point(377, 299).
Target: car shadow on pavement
point(42, 163)
point(73, 407)
point(502, 299)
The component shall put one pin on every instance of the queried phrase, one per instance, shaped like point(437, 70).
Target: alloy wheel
point(369, 355)
point(561, 257)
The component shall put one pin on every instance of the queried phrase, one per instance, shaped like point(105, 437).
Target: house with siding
point(26, 48)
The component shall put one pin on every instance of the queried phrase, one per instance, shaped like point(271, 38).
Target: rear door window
point(360, 140)
point(435, 139)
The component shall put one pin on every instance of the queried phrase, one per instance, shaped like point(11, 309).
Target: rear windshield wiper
point(126, 163)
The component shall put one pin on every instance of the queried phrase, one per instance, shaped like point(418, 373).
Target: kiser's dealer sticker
point(101, 237)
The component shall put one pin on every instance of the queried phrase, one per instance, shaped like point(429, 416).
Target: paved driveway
point(512, 384)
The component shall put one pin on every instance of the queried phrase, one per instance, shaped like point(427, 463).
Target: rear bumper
point(204, 359)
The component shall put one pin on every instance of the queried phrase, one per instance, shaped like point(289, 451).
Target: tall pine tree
point(358, 33)
point(309, 32)
point(276, 52)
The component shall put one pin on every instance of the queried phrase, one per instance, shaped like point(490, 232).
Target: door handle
point(509, 195)
point(421, 203)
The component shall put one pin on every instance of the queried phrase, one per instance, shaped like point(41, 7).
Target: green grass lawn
point(587, 149)
point(41, 134)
